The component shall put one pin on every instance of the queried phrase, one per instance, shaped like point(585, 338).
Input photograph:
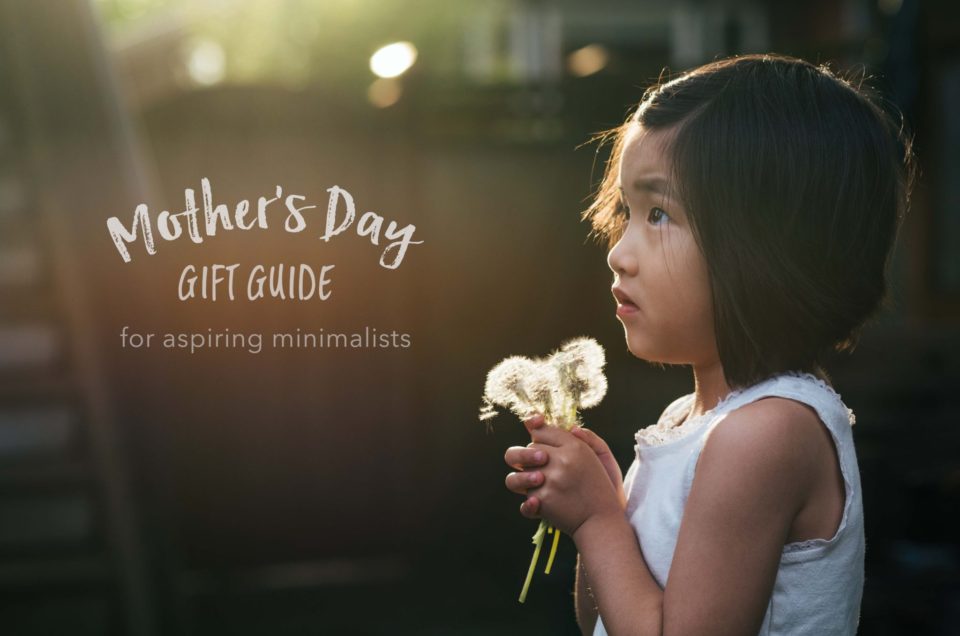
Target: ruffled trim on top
point(803, 374)
point(672, 427)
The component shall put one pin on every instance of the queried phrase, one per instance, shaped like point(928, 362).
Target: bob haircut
point(795, 184)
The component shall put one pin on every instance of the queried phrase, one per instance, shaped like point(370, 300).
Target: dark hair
point(795, 183)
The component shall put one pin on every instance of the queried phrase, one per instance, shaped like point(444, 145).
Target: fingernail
point(538, 456)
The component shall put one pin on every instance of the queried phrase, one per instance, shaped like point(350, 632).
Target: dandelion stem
point(538, 541)
point(553, 551)
point(557, 387)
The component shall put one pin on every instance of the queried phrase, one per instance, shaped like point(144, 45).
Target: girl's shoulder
point(798, 429)
point(770, 428)
point(798, 387)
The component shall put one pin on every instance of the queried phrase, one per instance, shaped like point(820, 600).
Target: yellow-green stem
point(567, 421)
point(537, 541)
point(553, 550)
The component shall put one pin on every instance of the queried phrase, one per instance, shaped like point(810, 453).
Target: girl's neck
point(709, 387)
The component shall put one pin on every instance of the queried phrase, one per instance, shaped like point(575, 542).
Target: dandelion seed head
point(487, 411)
point(505, 382)
point(575, 384)
point(569, 379)
point(589, 351)
point(585, 359)
point(544, 390)
point(595, 391)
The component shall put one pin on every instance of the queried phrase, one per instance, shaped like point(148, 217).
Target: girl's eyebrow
point(656, 185)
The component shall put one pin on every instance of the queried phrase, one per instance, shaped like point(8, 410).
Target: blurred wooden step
point(28, 346)
point(13, 197)
point(48, 521)
point(20, 305)
point(30, 388)
point(20, 264)
point(40, 430)
point(18, 229)
point(48, 474)
point(77, 612)
point(6, 137)
point(21, 573)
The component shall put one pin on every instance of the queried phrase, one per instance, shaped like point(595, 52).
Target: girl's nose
point(620, 261)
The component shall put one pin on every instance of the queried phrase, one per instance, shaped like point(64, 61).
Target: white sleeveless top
point(819, 582)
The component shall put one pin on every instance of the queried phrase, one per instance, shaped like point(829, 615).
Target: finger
point(533, 505)
point(521, 482)
point(534, 422)
point(550, 435)
point(593, 440)
point(520, 457)
point(530, 508)
point(603, 453)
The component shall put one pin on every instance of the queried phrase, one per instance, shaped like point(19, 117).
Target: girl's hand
point(606, 458)
point(524, 459)
point(574, 486)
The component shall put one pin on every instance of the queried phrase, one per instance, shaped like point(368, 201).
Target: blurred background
point(354, 491)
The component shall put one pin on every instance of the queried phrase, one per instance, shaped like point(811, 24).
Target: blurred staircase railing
point(71, 555)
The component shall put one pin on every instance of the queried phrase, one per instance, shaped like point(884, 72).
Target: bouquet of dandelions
point(557, 387)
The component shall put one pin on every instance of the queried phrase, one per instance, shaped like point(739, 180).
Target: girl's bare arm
point(585, 605)
point(753, 477)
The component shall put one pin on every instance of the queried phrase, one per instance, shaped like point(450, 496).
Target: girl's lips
point(626, 309)
point(622, 298)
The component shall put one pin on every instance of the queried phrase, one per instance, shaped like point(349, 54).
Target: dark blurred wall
point(292, 491)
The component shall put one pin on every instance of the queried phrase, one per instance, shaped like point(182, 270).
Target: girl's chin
point(643, 349)
point(639, 347)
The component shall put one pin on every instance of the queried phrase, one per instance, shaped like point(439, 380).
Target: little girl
point(751, 206)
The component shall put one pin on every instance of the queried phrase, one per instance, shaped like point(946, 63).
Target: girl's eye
point(656, 215)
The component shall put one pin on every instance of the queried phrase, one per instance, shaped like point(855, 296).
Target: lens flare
point(588, 60)
point(393, 59)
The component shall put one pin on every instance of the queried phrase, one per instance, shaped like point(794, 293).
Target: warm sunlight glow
point(206, 63)
point(588, 60)
point(384, 92)
point(393, 59)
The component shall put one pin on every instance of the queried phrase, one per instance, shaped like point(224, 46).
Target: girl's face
point(657, 262)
